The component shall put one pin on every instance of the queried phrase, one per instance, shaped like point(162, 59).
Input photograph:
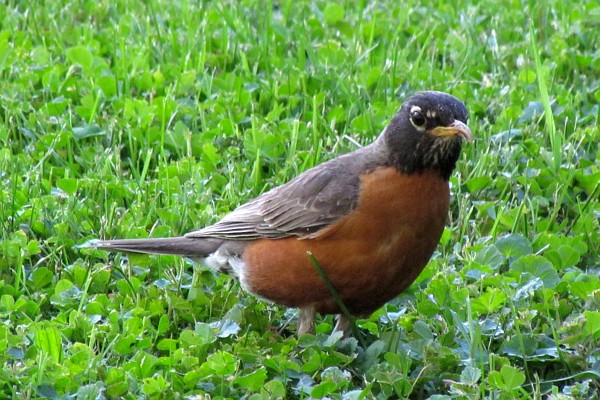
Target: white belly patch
point(227, 264)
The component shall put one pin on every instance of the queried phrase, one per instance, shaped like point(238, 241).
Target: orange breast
point(370, 256)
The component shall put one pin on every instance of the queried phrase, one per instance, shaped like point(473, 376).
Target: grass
point(151, 118)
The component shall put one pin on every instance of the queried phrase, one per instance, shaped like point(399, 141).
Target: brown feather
point(178, 246)
point(370, 256)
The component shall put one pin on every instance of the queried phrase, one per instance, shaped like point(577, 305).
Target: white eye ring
point(417, 119)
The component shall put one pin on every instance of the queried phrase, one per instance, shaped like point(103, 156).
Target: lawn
point(133, 118)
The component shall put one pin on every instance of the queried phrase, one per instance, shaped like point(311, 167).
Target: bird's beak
point(457, 128)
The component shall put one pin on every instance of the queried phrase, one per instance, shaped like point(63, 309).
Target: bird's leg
point(307, 320)
point(343, 325)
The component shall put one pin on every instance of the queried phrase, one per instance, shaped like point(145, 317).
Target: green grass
point(134, 118)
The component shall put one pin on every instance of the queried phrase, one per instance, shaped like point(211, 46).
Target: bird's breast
point(370, 255)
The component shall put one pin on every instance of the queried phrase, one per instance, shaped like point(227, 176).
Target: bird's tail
point(178, 246)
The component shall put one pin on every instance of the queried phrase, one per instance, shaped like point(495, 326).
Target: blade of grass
point(556, 137)
point(337, 298)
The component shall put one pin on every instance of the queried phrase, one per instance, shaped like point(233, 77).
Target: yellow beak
point(456, 128)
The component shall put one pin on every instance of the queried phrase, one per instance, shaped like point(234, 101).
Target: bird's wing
point(308, 203)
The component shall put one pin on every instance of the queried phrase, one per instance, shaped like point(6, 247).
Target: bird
point(371, 219)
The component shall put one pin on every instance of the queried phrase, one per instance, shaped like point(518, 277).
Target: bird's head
point(427, 133)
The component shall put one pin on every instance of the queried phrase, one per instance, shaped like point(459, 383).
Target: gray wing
point(306, 204)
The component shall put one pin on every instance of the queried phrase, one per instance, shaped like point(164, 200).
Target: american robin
point(372, 219)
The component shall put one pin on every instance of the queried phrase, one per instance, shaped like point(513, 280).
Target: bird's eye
point(417, 119)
